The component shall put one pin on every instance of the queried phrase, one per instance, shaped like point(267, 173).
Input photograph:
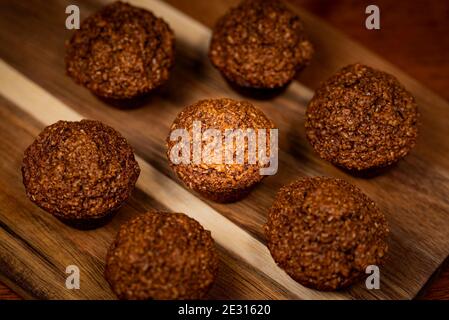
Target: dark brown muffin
point(162, 255)
point(324, 232)
point(81, 172)
point(260, 44)
point(217, 180)
point(362, 118)
point(121, 52)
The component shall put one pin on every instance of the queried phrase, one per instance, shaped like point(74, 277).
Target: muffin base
point(88, 224)
point(228, 197)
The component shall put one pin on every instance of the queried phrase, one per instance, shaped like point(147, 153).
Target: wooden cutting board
point(35, 248)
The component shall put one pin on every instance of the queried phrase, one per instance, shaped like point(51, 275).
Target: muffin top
point(162, 255)
point(324, 232)
point(120, 52)
point(79, 170)
point(362, 118)
point(260, 44)
point(212, 173)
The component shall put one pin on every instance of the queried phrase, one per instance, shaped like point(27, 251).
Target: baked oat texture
point(260, 44)
point(220, 182)
point(361, 119)
point(162, 255)
point(324, 232)
point(121, 52)
point(79, 171)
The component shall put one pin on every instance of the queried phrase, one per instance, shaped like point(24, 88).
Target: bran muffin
point(324, 232)
point(260, 44)
point(361, 119)
point(217, 180)
point(162, 255)
point(80, 172)
point(121, 52)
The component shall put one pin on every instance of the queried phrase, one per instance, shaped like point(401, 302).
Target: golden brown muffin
point(121, 52)
point(81, 172)
point(361, 119)
point(324, 232)
point(162, 255)
point(217, 181)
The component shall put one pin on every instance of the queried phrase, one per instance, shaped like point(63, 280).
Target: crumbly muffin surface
point(260, 44)
point(220, 181)
point(162, 255)
point(362, 118)
point(121, 52)
point(79, 170)
point(324, 232)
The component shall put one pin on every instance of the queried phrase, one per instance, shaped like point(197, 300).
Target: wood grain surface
point(35, 248)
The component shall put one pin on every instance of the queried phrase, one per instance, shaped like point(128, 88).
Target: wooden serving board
point(35, 248)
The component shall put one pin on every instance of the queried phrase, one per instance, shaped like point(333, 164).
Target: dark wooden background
point(414, 36)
